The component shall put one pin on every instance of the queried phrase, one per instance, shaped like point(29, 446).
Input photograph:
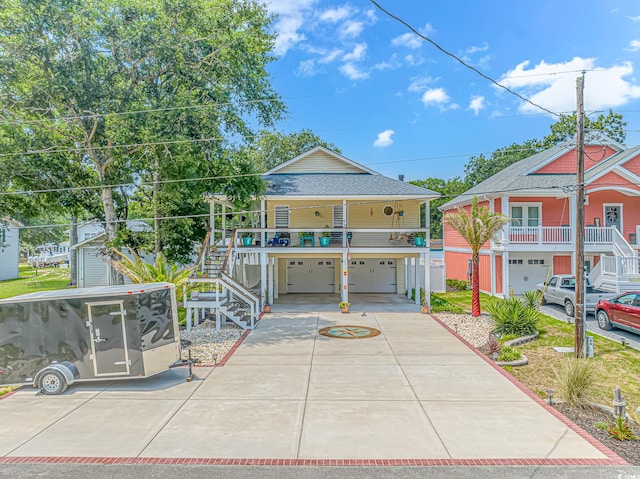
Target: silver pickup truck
point(561, 289)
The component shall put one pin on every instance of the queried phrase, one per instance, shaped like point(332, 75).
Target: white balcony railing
point(562, 235)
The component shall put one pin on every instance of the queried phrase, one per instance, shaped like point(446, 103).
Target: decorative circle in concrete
point(349, 332)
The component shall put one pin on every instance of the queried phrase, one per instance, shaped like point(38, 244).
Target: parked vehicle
point(622, 311)
point(561, 289)
point(55, 338)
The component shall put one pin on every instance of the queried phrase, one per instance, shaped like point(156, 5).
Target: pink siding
point(612, 180)
point(497, 205)
point(498, 274)
point(562, 265)
point(633, 165)
point(457, 268)
point(555, 212)
point(567, 162)
point(630, 209)
point(451, 237)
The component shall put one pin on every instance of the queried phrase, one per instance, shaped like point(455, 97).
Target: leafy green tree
point(449, 189)
point(476, 227)
point(77, 68)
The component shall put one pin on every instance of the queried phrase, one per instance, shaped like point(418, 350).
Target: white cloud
point(334, 15)
point(476, 104)
point(351, 29)
point(413, 61)
point(635, 19)
point(358, 53)
point(419, 84)
point(291, 17)
point(353, 72)
point(330, 56)
point(475, 49)
point(392, 64)
point(634, 45)
point(435, 96)
point(546, 85)
point(306, 68)
point(384, 139)
point(410, 39)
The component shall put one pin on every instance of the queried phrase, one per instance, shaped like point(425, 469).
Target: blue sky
point(392, 101)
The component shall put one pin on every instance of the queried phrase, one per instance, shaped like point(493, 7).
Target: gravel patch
point(209, 346)
point(475, 330)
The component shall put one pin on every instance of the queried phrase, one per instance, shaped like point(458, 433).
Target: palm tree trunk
point(475, 285)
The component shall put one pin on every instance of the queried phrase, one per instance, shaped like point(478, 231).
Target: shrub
point(457, 284)
point(513, 317)
point(531, 299)
point(576, 379)
point(507, 353)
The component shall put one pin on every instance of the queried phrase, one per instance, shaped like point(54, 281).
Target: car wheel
point(603, 320)
point(542, 300)
point(569, 308)
point(52, 383)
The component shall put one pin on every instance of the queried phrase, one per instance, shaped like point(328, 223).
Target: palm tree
point(140, 272)
point(476, 229)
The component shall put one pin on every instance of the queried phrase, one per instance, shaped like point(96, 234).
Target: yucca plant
point(531, 299)
point(160, 271)
point(576, 379)
point(513, 317)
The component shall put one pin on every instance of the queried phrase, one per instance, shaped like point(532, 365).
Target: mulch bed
point(628, 450)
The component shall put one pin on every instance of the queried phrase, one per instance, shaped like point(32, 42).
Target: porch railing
point(563, 235)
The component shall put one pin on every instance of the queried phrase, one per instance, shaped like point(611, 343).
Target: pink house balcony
point(563, 235)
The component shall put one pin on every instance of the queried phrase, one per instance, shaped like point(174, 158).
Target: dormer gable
point(320, 160)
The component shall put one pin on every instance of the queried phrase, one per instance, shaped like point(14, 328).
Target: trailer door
point(108, 338)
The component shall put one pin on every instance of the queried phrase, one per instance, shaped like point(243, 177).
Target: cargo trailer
point(53, 339)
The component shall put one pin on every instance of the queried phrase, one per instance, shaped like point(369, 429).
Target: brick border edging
point(306, 462)
point(612, 456)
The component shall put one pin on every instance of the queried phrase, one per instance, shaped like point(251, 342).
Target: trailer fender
point(68, 370)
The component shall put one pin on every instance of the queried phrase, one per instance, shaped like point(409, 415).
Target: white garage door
point(311, 275)
point(95, 271)
point(372, 276)
point(525, 274)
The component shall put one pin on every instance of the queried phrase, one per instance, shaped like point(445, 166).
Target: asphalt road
point(557, 311)
point(97, 471)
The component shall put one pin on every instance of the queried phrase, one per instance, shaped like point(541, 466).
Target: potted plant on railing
point(325, 237)
point(419, 238)
point(305, 236)
point(344, 306)
point(247, 239)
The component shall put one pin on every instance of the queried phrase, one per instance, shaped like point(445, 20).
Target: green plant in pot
point(325, 237)
point(247, 238)
point(344, 306)
point(419, 238)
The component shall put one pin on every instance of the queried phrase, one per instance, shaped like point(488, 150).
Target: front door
point(108, 338)
point(613, 216)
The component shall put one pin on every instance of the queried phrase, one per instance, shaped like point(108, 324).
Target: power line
point(460, 60)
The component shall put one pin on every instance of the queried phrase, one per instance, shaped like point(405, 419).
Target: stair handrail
point(203, 248)
point(621, 244)
point(595, 274)
point(232, 242)
point(242, 292)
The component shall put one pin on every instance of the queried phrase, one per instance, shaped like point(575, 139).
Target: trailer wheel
point(569, 308)
point(53, 382)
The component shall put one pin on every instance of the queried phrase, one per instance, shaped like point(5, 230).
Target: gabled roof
point(327, 152)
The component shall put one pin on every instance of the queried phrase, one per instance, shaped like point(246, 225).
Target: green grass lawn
point(616, 365)
point(29, 282)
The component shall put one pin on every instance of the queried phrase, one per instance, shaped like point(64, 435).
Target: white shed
point(9, 248)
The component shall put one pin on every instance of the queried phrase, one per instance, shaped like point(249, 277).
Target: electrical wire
point(460, 60)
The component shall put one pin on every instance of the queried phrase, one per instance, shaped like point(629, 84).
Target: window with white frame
point(525, 215)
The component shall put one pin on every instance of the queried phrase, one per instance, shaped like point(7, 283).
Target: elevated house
point(539, 195)
point(9, 248)
point(326, 225)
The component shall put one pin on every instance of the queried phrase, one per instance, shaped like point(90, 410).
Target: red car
point(622, 311)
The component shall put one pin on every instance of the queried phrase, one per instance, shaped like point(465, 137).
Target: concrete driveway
point(415, 392)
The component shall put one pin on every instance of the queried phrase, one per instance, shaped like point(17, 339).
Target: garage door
point(372, 276)
point(525, 274)
point(311, 275)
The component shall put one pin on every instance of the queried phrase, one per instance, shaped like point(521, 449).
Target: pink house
point(539, 195)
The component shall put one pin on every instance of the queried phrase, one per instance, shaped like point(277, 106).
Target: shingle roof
point(513, 178)
point(341, 184)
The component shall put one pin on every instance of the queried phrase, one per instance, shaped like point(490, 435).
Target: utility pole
point(579, 312)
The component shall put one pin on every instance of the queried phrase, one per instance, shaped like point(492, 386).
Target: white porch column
point(263, 276)
point(427, 223)
point(505, 274)
point(415, 280)
point(270, 283)
point(506, 210)
point(492, 258)
point(263, 224)
point(344, 224)
point(223, 209)
point(212, 222)
point(344, 282)
point(276, 275)
point(427, 278)
point(410, 277)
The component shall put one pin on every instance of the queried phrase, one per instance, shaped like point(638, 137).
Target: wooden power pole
point(579, 313)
